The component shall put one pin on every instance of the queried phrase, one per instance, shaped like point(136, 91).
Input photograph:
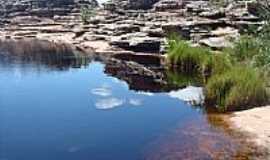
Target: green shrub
point(86, 14)
point(236, 89)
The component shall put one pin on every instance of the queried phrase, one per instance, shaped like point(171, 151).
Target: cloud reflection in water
point(109, 103)
point(135, 102)
point(103, 91)
point(190, 94)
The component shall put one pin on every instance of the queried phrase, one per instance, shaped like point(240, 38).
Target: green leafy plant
point(86, 14)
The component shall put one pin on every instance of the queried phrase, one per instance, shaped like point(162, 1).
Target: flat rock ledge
point(255, 122)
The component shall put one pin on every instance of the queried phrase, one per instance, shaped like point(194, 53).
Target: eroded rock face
point(138, 26)
point(45, 8)
point(213, 14)
point(142, 4)
point(135, 4)
point(216, 42)
point(164, 5)
point(139, 77)
point(138, 43)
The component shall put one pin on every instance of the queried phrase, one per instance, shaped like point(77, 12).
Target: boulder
point(43, 7)
point(216, 42)
point(154, 32)
point(136, 43)
point(214, 14)
point(141, 58)
point(164, 5)
point(197, 6)
point(141, 4)
point(227, 31)
point(125, 28)
point(134, 4)
point(139, 77)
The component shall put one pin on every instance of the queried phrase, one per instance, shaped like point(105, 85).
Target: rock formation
point(133, 4)
point(136, 26)
point(45, 8)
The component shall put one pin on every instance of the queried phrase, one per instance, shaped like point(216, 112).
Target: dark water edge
point(194, 134)
point(211, 137)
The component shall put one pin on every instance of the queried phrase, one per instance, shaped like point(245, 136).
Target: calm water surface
point(53, 109)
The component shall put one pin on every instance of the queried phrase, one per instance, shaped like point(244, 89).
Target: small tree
point(86, 14)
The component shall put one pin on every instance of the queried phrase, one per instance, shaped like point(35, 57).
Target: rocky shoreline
point(131, 28)
point(256, 123)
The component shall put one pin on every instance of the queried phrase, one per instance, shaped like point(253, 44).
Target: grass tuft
point(187, 58)
point(236, 89)
point(235, 79)
point(244, 49)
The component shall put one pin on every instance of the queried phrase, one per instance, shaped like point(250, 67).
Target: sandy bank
point(256, 122)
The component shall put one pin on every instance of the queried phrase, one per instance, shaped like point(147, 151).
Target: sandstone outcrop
point(137, 26)
point(44, 8)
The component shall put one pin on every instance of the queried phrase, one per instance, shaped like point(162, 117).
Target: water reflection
point(109, 103)
point(150, 80)
point(209, 137)
point(138, 78)
point(182, 80)
point(70, 119)
point(103, 91)
point(192, 95)
point(41, 54)
point(135, 102)
point(106, 100)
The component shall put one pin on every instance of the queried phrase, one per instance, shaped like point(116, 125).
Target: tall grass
point(235, 78)
point(190, 59)
point(252, 51)
point(181, 80)
point(244, 49)
point(185, 57)
point(236, 89)
point(217, 63)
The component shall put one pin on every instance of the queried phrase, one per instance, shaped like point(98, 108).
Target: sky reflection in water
point(80, 113)
point(58, 108)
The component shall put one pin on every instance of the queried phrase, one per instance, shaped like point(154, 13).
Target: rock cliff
point(45, 8)
point(138, 26)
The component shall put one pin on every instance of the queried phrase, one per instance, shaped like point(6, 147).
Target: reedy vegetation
point(235, 77)
point(238, 88)
point(186, 57)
